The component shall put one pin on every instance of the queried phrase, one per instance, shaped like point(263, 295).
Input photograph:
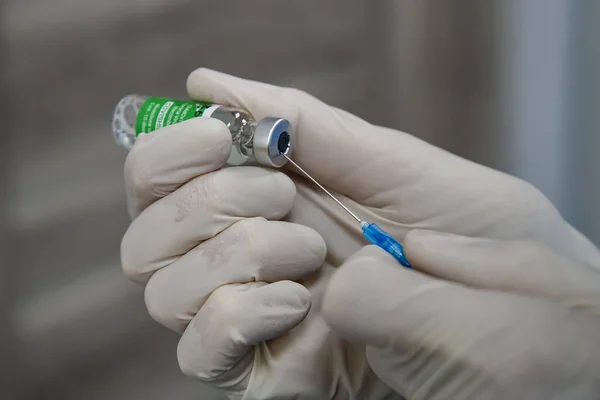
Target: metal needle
point(322, 188)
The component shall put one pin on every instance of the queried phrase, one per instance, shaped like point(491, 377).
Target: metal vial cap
point(272, 137)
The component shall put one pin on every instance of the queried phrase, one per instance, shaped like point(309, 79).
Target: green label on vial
point(157, 112)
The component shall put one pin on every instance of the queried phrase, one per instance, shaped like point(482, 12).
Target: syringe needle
point(322, 187)
point(372, 232)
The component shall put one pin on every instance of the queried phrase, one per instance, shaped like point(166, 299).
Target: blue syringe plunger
point(374, 234)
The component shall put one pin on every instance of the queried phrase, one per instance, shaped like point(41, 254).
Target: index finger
point(334, 146)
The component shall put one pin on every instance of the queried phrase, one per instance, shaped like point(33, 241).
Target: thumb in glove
point(479, 318)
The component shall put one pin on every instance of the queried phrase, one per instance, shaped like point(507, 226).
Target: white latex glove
point(501, 320)
point(225, 278)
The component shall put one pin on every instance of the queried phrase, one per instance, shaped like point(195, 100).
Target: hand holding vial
point(276, 296)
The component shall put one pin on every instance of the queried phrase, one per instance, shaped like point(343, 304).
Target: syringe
point(371, 231)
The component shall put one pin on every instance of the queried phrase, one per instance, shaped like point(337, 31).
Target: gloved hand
point(223, 276)
point(492, 319)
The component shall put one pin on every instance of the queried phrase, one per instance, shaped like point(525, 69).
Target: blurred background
point(509, 83)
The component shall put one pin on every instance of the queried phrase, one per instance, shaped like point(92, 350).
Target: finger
point(332, 145)
point(368, 281)
point(198, 211)
point(216, 346)
point(427, 336)
point(162, 161)
point(252, 250)
point(371, 297)
point(515, 266)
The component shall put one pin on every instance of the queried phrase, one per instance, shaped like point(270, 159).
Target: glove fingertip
point(347, 297)
point(198, 79)
point(291, 293)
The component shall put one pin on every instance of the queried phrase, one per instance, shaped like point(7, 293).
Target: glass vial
point(260, 142)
